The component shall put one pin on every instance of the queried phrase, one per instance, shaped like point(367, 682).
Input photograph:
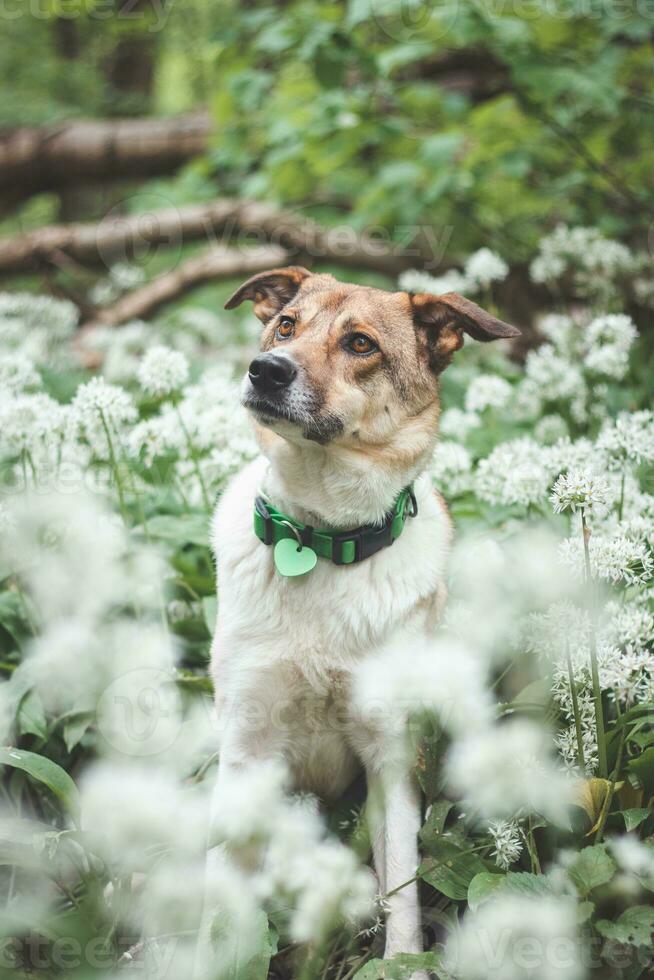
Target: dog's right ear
point(270, 291)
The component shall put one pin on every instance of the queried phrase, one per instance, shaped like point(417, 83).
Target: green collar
point(341, 547)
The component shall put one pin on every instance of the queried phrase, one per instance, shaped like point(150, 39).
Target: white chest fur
point(332, 617)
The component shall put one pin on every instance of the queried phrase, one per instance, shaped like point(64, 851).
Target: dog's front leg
point(396, 814)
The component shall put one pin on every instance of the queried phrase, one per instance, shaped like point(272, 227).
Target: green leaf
point(75, 727)
point(634, 927)
point(450, 869)
point(525, 883)
point(47, 772)
point(592, 867)
point(247, 959)
point(435, 822)
point(400, 967)
point(31, 716)
point(643, 768)
point(634, 817)
point(584, 911)
point(481, 887)
point(181, 530)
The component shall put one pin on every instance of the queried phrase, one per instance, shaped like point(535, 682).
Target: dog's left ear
point(270, 291)
point(446, 317)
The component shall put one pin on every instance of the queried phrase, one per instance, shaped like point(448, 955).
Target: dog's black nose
point(270, 373)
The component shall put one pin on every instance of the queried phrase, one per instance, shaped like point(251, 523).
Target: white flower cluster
point(595, 261)
point(487, 391)
point(508, 841)
point(578, 490)
point(538, 939)
point(38, 327)
point(481, 269)
point(163, 371)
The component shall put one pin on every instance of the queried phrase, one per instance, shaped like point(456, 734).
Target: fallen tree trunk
point(221, 222)
point(47, 158)
point(209, 266)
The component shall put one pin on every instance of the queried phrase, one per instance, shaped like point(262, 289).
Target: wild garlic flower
point(484, 267)
point(558, 329)
point(629, 625)
point(578, 490)
point(580, 249)
point(553, 375)
point(607, 343)
point(487, 391)
point(613, 558)
point(443, 676)
point(456, 424)
point(31, 312)
point(28, 422)
point(131, 812)
point(633, 856)
point(507, 770)
point(507, 840)
point(99, 413)
point(421, 282)
point(17, 373)
point(451, 467)
point(493, 941)
point(629, 438)
point(516, 472)
point(319, 878)
point(163, 371)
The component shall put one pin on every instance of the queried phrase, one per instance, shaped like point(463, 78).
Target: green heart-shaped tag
point(291, 560)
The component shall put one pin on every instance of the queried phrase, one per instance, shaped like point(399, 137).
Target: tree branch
point(46, 158)
point(243, 223)
point(215, 263)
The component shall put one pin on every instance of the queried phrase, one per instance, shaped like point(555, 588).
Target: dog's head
point(342, 362)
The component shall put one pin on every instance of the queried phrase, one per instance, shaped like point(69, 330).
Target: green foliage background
point(491, 121)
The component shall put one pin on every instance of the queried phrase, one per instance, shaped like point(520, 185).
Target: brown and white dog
point(345, 403)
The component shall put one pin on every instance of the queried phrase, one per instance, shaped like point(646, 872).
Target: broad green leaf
point(592, 867)
point(242, 958)
point(525, 883)
point(47, 772)
point(435, 822)
point(450, 868)
point(75, 727)
point(482, 886)
point(634, 817)
point(643, 768)
point(635, 926)
point(400, 967)
point(31, 716)
point(181, 530)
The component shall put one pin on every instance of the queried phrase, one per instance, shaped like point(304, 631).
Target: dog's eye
point(358, 343)
point(285, 327)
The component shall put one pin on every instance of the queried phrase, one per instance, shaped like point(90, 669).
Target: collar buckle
point(367, 542)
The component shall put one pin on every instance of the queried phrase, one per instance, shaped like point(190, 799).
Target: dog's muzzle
point(270, 374)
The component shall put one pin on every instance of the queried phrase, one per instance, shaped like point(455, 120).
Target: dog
point(331, 547)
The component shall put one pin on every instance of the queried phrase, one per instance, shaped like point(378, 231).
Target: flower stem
point(193, 454)
point(113, 459)
point(611, 790)
point(621, 504)
point(594, 670)
point(575, 710)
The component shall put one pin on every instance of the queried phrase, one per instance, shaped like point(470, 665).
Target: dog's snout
point(270, 372)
